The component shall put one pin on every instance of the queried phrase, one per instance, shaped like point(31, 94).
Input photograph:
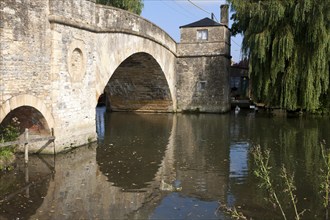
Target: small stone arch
point(26, 100)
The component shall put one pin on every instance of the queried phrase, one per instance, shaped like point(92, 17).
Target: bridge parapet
point(86, 14)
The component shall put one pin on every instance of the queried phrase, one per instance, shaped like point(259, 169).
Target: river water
point(171, 166)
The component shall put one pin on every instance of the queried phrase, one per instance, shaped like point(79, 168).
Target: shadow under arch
point(138, 84)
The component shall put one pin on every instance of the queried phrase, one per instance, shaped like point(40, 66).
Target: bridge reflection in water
point(159, 166)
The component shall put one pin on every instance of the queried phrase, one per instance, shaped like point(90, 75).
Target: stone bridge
point(58, 57)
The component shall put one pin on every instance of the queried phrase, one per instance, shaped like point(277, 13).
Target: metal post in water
point(26, 147)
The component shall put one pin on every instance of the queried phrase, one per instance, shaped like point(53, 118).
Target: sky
point(171, 14)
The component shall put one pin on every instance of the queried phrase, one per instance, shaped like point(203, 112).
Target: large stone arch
point(139, 84)
point(114, 49)
point(26, 100)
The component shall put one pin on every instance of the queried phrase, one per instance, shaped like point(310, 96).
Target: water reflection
point(165, 166)
point(133, 148)
point(239, 153)
point(22, 191)
point(202, 149)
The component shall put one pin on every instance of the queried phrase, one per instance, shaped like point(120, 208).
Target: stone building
point(203, 65)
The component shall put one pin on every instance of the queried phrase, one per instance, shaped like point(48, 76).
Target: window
point(202, 35)
point(235, 82)
point(201, 85)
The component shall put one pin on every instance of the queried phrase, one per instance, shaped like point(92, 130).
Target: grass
point(325, 178)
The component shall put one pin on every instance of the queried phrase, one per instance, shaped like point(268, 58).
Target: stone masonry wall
point(25, 50)
point(74, 98)
point(203, 70)
point(202, 84)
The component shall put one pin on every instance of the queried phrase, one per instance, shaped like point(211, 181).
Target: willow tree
point(288, 46)
point(134, 6)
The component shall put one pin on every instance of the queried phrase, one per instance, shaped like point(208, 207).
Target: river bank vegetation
point(7, 134)
point(278, 184)
point(288, 47)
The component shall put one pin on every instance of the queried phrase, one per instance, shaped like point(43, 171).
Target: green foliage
point(10, 132)
point(288, 45)
point(6, 157)
point(134, 6)
point(7, 134)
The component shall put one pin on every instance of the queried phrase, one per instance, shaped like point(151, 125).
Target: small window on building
point(202, 34)
point(202, 85)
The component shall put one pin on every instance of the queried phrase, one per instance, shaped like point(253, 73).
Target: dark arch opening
point(26, 117)
point(138, 84)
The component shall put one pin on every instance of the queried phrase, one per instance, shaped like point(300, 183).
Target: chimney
point(224, 14)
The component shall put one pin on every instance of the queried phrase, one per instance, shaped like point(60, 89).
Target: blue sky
point(171, 14)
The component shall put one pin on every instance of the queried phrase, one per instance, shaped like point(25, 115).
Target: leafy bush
point(10, 132)
point(7, 134)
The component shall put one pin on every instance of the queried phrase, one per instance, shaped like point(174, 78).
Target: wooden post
point(52, 133)
point(27, 191)
point(26, 147)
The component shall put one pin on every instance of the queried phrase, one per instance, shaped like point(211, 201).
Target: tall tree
point(288, 45)
point(134, 6)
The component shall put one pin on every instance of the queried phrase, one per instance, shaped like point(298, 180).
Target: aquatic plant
point(290, 189)
point(325, 177)
point(232, 212)
point(263, 171)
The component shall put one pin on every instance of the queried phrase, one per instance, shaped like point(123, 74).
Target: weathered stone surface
point(203, 70)
point(202, 84)
point(58, 56)
point(139, 84)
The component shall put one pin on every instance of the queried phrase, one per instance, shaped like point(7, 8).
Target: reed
point(263, 171)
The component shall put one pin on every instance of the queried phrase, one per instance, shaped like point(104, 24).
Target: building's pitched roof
point(205, 22)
